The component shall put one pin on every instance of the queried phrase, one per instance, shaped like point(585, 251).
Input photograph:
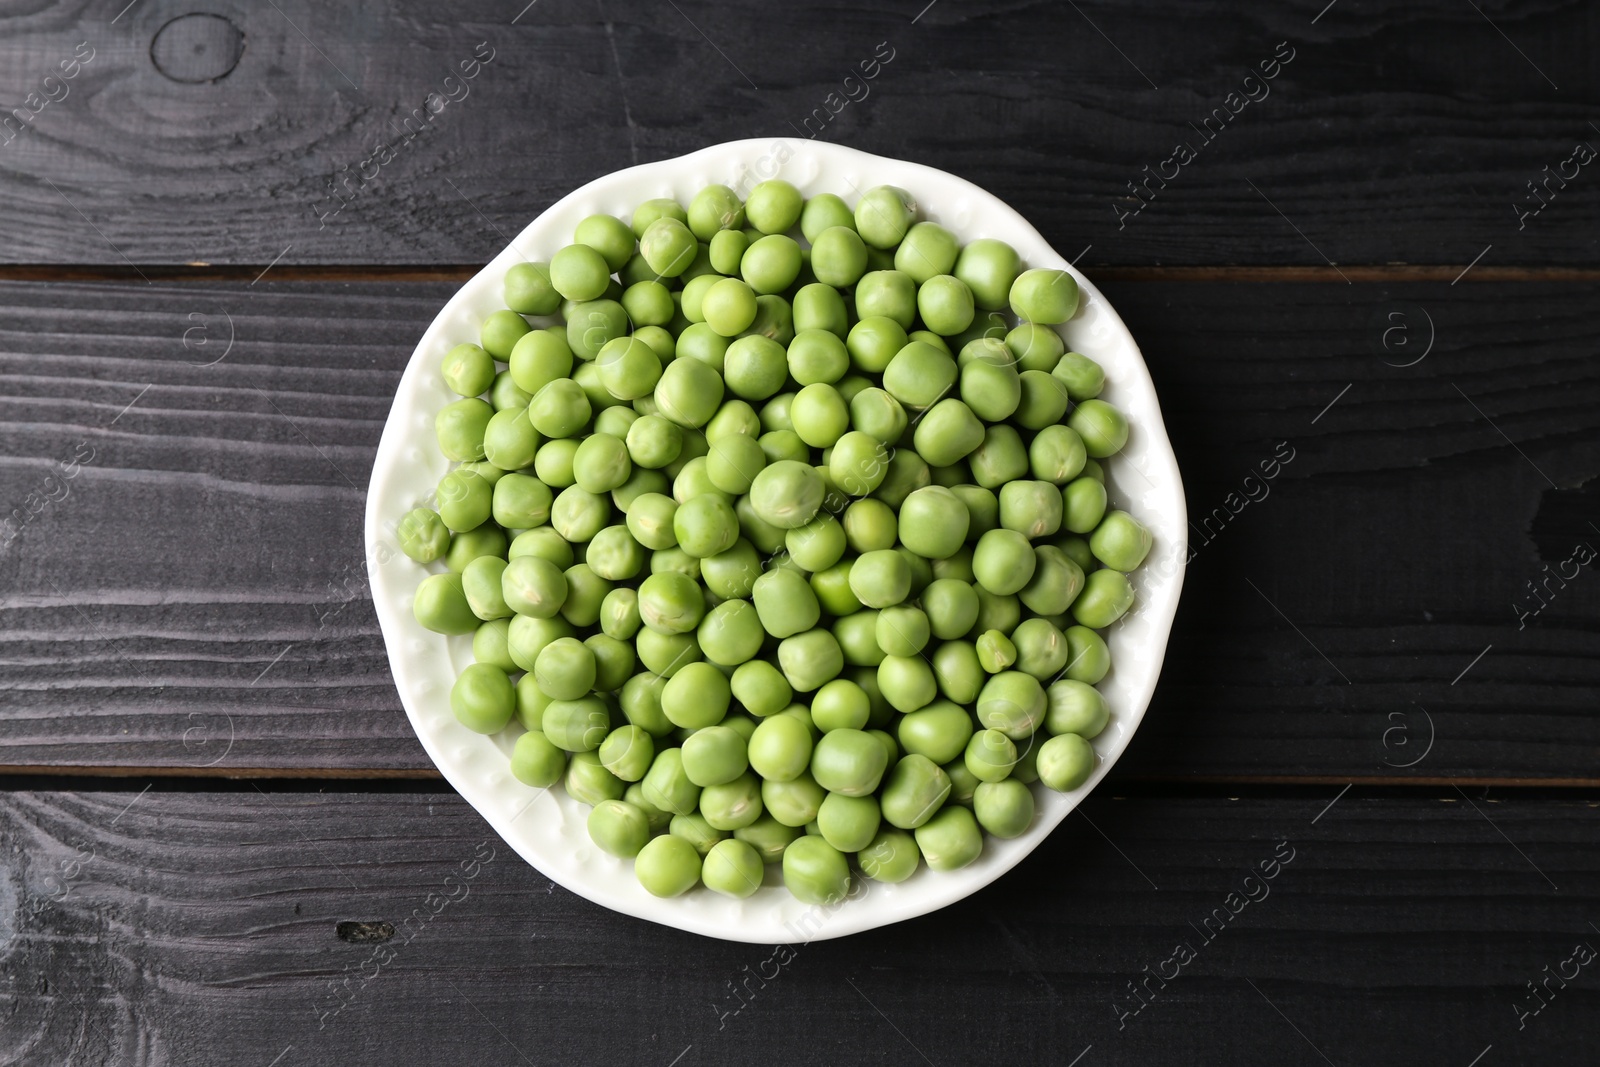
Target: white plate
point(547, 827)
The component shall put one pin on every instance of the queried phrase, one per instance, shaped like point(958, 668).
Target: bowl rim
point(464, 760)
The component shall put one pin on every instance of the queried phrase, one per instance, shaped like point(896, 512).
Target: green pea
point(536, 762)
point(667, 787)
point(699, 833)
point(520, 502)
point(948, 433)
point(878, 415)
point(1027, 769)
point(441, 605)
point(780, 749)
point(733, 462)
point(1065, 762)
point(560, 409)
point(817, 545)
point(1003, 808)
point(689, 392)
point(1106, 597)
point(990, 755)
point(732, 574)
point(755, 367)
point(627, 752)
point(768, 837)
point(693, 479)
point(1103, 428)
point(613, 661)
point(915, 790)
point(565, 669)
point(919, 375)
point(809, 659)
point(933, 522)
point(891, 857)
point(489, 645)
point(667, 866)
point(480, 581)
point(959, 564)
point(1013, 703)
point(1003, 561)
point(950, 840)
point(946, 304)
point(460, 427)
point(840, 705)
point(849, 824)
point(838, 256)
point(1041, 648)
point(601, 463)
point(1035, 347)
point(532, 585)
point(1044, 296)
point(482, 698)
point(857, 635)
point(1082, 376)
point(726, 248)
point(874, 342)
point(889, 293)
point(832, 587)
point(553, 463)
point(618, 828)
point(500, 331)
point(880, 578)
point(668, 246)
point(705, 525)
point(957, 668)
point(907, 682)
point(996, 652)
point(591, 325)
point(785, 603)
point(528, 290)
point(697, 695)
point(771, 264)
point(907, 473)
point(793, 803)
point(963, 783)
point(983, 509)
point(1076, 708)
point(468, 370)
point(676, 561)
point(1057, 580)
point(527, 636)
point(732, 805)
point(1083, 504)
point(422, 535)
point(586, 591)
point(1121, 541)
point(787, 494)
point(815, 872)
point(579, 272)
point(629, 368)
point(992, 392)
point(653, 442)
point(714, 755)
point(902, 631)
point(989, 267)
point(731, 633)
point(465, 499)
point(996, 612)
point(773, 206)
point(927, 251)
point(951, 606)
point(763, 691)
point(940, 731)
point(870, 526)
point(1031, 508)
point(884, 215)
point(651, 210)
point(848, 761)
point(544, 542)
point(715, 207)
point(641, 704)
point(1044, 401)
point(732, 868)
point(774, 319)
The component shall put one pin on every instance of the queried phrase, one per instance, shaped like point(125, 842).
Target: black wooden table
point(1363, 234)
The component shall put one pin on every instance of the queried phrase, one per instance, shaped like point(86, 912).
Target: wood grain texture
point(170, 928)
point(1398, 132)
point(196, 600)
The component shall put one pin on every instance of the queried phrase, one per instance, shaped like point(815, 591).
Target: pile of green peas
point(782, 535)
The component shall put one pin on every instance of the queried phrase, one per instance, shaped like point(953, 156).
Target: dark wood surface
point(197, 601)
point(206, 928)
point(195, 368)
point(1398, 132)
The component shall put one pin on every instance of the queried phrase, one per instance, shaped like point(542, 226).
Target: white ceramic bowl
point(547, 827)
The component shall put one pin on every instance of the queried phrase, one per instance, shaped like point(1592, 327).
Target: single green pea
point(732, 805)
point(667, 787)
point(731, 633)
point(675, 560)
point(544, 542)
point(692, 480)
point(817, 545)
point(988, 267)
point(950, 840)
point(579, 272)
point(480, 581)
point(506, 395)
point(460, 427)
point(761, 688)
point(939, 731)
point(527, 636)
point(849, 824)
point(915, 790)
point(521, 502)
point(815, 872)
point(933, 522)
point(422, 535)
point(553, 462)
point(726, 248)
point(1003, 808)
point(531, 700)
point(990, 755)
point(877, 414)
point(1056, 454)
point(527, 289)
point(996, 612)
point(820, 415)
point(996, 652)
point(468, 370)
point(1041, 648)
point(793, 803)
point(927, 251)
point(732, 574)
point(705, 525)
point(902, 630)
point(667, 866)
point(489, 645)
point(1044, 296)
point(699, 833)
point(500, 331)
point(817, 356)
point(822, 211)
point(891, 857)
point(809, 659)
point(919, 375)
point(651, 210)
point(907, 682)
point(992, 391)
point(560, 409)
point(668, 246)
point(818, 306)
point(1035, 347)
point(1027, 769)
point(959, 671)
point(657, 819)
point(666, 654)
point(536, 762)
point(1076, 549)
point(952, 608)
point(714, 755)
point(945, 304)
point(1013, 703)
point(1056, 582)
point(732, 868)
point(773, 206)
point(733, 462)
point(1031, 508)
point(729, 307)
point(771, 264)
point(907, 473)
point(889, 293)
point(847, 761)
point(870, 526)
point(650, 521)
point(1106, 597)
point(734, 418)
point(629, 368)
point(619, 613)
point(640, 701)
point(565, 670)
point(785, 603)
point(591, 326)
point(874, 342)
point(670, 603)
point(883, 216)
point(787, 494)
point(832, 587)
point(578, 514)
point(838, 256)
point(755, 367)
point(840, 705)
point(774, 319)
point(653, 442)
point(466, 499)
point(963, 783)
point(1003, 561)
point(999, 459)
point(697, 695)
point(1082, 376)
point(983, 510)
point(880, 578)
point(857, 635)
point(1083, 502)
point(601, 463)
point(483, 698)
point(1104, 429)
point(609, 236)
point(1044, 400)
point(716, 207)
point(948, 432)
point(441, 605)
point(1076, 708)
point(640, 482)
point(613, 661)
point(618, 828)
point(768, 837)
point(780, 749)
point(1065, 762)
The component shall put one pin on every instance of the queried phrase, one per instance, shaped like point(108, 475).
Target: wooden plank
point(146, 929)
point(196, 603)
point(1397, 132)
